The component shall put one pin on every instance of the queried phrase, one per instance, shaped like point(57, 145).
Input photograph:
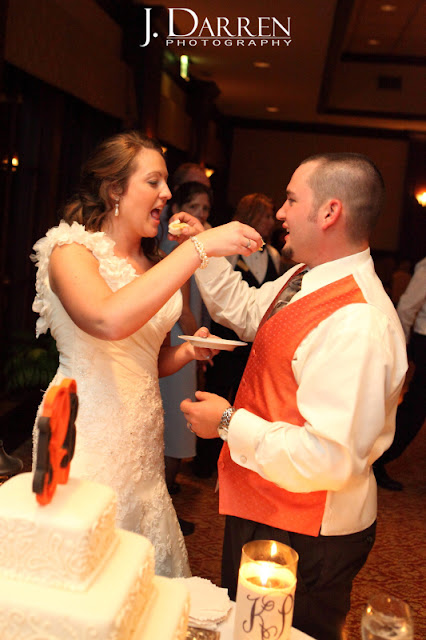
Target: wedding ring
point(248, 245)
point(207, 357)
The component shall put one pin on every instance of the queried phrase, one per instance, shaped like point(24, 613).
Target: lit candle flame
point(264, 573)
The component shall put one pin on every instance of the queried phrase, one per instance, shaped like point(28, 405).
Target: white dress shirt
point(412, 303)
point(349, 370)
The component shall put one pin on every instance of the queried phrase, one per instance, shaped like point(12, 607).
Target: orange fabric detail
point(268, 389)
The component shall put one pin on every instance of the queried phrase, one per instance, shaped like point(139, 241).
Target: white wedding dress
point(120, 417)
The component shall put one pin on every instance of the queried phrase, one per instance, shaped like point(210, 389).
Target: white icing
point(121, 598)
point(110, 609)
point(61, 544)
point(167, 612)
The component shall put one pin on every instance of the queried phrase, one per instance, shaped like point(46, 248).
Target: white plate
point(213, 342)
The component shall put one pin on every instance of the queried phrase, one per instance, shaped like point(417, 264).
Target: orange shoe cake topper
point(56, 440)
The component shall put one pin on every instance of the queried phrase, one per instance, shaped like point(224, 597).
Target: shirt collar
point(329, 272)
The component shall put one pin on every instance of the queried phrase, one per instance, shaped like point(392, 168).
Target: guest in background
point(278, 242)
point(186, 172)
point(196, 199)
point(189, 172)
point(400, 280)
point(411, 412)
point(223, 378)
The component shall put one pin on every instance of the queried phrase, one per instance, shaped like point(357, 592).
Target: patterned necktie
point(288, 292)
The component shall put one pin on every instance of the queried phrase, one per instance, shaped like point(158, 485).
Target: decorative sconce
point(184, 67)
point(10, 162)
point(421, 197)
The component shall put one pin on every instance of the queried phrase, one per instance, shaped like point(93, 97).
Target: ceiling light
point(272, 109)
point(261, 65)
point(388, 7)
point(373, 42)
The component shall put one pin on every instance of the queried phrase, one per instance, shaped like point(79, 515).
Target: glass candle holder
point(265, 593)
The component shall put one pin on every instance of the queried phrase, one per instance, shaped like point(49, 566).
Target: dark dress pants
point(326, 569)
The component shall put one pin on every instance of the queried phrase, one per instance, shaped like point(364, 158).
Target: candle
point(265, 598)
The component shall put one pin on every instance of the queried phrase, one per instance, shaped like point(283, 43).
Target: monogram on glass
point(265, 593)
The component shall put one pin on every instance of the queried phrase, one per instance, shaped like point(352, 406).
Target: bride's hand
point(204, 353)
point(234, 238)
point(194, 226)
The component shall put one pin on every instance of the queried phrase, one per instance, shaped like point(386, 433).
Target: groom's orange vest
point(268, 389)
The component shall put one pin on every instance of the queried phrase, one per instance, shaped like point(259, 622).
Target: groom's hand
point(204, 416)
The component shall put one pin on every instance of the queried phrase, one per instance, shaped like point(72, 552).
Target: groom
point(317, 402)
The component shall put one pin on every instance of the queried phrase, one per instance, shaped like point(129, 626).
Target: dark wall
point(50, 133)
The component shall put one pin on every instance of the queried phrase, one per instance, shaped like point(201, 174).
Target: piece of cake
point(67, 573)
point(175, 227)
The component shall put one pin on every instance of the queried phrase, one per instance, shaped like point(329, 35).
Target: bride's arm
point(75, 279)
point(172, 359)
point(187, 319)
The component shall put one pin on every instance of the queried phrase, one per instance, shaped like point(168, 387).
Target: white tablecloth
point(227, 627)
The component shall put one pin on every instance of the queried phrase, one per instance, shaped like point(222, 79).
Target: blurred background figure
point(223, 378)
point(400, 280)
point(411, 412)
point(179, 442)
point(186, 172)
point(278, 242)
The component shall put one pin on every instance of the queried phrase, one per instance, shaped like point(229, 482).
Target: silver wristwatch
point(223, 426)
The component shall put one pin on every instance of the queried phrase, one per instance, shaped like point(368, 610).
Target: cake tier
point(62, 544)
point(166, 613)
point(109, 610)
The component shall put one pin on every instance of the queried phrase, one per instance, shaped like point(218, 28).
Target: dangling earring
point(116, 209)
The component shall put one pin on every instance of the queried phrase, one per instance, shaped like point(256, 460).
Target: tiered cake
point(67, 573)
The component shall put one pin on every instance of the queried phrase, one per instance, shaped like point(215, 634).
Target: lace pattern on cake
point(60, 559)
point(34, 626)
point(137, 600)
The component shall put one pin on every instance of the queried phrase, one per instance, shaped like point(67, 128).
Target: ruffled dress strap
point(116, 271)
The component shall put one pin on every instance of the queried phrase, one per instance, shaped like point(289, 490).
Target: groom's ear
point(329, 213)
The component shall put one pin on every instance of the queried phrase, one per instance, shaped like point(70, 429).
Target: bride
point(109, 301)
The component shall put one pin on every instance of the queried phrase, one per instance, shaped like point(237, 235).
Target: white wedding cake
point(66, 572)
